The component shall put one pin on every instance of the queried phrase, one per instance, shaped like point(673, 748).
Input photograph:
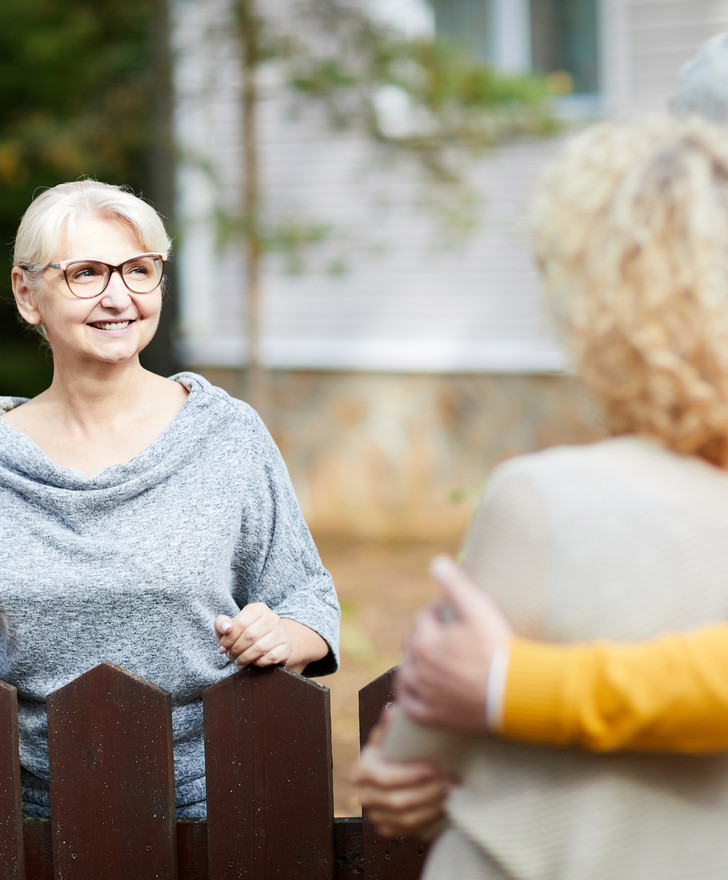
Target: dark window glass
point(564, 38)
point(469, 22)
point(564, 34)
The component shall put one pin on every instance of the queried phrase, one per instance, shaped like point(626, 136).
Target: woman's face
point(110, 328)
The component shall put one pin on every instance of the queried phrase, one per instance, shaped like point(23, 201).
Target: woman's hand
point(444, 680)
point(400, 798)
point(255, 636)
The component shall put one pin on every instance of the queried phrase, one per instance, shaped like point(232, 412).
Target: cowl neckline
point(22, 456)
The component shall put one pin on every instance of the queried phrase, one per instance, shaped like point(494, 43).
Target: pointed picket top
point(373, 697)
point(269, 788)
point(112, 777)
point(403, 857)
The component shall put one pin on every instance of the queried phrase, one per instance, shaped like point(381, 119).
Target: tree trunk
point(249, 33)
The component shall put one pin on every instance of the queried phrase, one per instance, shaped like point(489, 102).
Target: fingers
point(455, 582)
point(414, 699)
point(254, 636)
point(398, 822)
point(468, 601)
point(412, 703)
point(247, 627)
point(223, 625)
point(269, 651)
point(427, 629)
point(399, 798)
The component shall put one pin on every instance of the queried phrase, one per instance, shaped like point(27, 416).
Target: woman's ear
point(25, 297)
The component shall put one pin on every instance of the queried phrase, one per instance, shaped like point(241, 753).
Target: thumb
point(469, 602)
point(223, 625)
point(456, 584)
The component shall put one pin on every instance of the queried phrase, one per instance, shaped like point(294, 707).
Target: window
point(547, 36)
point(468, 22)
point(564, 38)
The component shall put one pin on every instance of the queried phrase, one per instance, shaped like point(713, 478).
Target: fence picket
point(38, 849)
point(269, 773)
point(112, 778)
point(403, 857)
point(269, 789)
point(12, 856)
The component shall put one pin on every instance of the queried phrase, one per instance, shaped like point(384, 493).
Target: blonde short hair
point(55, 210)
point(631, 237)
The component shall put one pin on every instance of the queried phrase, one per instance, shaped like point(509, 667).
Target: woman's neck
point(100, 419)
point(103, 396)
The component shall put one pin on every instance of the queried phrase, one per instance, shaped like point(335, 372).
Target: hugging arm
point(668, 694)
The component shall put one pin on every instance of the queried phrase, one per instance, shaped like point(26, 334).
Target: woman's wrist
point(306, 645)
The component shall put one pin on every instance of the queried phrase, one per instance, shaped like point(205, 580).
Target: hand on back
point(444, 680)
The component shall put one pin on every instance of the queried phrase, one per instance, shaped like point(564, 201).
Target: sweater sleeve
point(669, 694)
point(276, 560)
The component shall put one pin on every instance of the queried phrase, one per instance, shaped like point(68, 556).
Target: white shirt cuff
point(496, 688)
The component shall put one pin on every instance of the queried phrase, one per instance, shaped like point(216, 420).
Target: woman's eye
point(138, 269)
point(84, 273)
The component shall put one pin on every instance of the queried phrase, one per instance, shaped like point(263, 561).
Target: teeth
point(111, 325)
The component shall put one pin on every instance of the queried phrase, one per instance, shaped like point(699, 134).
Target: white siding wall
point(388, 289)
point(645, 43)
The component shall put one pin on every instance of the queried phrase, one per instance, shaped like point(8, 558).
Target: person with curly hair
point(622, 539)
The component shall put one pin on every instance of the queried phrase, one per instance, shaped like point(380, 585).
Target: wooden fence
point(269, 786)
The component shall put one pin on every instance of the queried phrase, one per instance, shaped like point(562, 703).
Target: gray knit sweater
point(133, 564)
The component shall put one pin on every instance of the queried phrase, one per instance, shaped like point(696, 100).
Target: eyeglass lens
point(89, 278)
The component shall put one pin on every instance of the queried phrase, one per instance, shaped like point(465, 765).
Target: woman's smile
point(110, 326)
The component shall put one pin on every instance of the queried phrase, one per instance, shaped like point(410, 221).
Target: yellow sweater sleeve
point(669, 694)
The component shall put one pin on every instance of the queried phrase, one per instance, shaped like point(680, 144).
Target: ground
point(381, 584)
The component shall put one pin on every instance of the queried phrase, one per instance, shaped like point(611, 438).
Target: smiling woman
point(145, 520)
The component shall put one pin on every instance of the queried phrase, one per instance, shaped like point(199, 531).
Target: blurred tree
point(448, 106)
point(83, 92)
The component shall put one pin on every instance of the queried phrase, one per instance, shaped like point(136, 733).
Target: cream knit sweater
point(622, 540)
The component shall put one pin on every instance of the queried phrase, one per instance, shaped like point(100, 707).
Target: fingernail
point(222, 650)
point(442, 566)
point(225, 628)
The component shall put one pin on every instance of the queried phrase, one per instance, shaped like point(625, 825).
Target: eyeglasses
point(89, 278)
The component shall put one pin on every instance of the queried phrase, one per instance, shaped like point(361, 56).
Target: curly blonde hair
point(631, 237)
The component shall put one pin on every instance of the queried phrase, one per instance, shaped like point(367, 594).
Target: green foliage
point(24, 370)
point(292, 238)
point(77, 85)
point(455, 104)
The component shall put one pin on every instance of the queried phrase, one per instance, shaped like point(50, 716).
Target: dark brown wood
point(12, 854)
point(348, 856)
point(192, 849)
point(112, 778)
point(38, 849)
point(373, 697)
point(269, 787)
point(403, 857)
point(268, 749)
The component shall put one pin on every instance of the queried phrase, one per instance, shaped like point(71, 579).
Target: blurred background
point(346, 183)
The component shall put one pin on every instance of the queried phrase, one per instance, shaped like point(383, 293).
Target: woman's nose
point(116, 293)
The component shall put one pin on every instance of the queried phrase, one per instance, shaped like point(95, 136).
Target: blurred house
point(405, 358)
